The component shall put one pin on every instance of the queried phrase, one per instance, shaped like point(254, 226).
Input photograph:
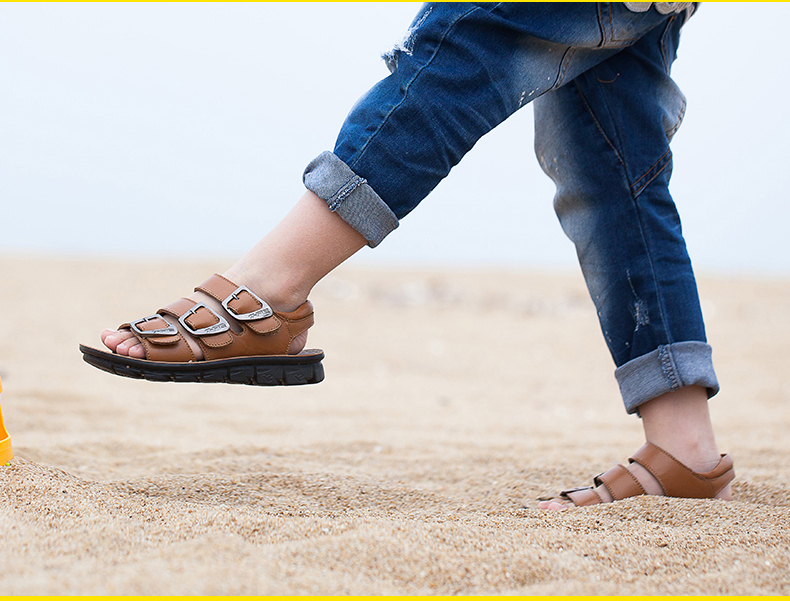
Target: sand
point(453, 400)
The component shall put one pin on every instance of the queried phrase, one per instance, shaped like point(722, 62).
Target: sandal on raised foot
point(676, 479)
point(245, 343)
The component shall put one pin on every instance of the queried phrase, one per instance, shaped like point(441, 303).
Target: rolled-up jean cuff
point(666, 369)
point(350, 196)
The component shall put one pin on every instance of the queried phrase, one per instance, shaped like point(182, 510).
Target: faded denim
point(606, 110)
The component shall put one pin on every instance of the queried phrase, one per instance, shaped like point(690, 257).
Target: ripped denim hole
point(641, 315)
point(640, 311)
point(404, 46)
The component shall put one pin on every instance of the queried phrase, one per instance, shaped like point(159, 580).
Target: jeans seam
point(564, 63)
point(663, 47)
point(601, 25)
point(408, 86)
point(612, 39)
point(599, 128)
point(651, 168)
point(638, 190)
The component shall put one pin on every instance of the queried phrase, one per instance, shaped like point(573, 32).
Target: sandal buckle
point(170, 330)
point(221, 326)
point(262, 313)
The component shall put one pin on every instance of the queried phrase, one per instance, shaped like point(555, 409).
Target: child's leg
point(604, 139)
point(463, 70)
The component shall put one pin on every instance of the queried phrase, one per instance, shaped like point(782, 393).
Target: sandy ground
point(452, 401)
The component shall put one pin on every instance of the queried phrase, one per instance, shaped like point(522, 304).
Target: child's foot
point(239, 340)
point(222, 333)
point(652, 472)
point(125, 343)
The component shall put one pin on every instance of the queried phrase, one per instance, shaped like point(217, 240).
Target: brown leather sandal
point(675, 479)
point(245, 343)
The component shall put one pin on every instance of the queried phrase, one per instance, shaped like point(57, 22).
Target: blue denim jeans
point(606, 109)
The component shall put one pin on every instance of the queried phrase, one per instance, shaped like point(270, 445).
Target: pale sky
point(183, 129)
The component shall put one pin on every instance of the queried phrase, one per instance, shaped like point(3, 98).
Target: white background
point(183, 129)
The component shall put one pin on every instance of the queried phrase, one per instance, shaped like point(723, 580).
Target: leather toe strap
point(620, 483)
point(582, 497)
point(160, 339)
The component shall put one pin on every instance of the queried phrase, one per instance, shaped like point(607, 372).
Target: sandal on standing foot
point(244, 343)
point(676, 479)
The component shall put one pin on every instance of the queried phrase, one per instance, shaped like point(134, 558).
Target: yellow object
point(6, 453)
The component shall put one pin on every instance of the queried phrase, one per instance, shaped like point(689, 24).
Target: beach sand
point(452, 401)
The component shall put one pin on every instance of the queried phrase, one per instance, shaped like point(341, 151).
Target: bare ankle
point(679, 422)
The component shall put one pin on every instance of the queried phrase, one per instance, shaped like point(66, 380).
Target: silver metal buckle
point(217, 328)
point(262, 313)
point(170, 330)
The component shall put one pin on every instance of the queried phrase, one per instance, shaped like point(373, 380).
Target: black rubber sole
point(277, 370)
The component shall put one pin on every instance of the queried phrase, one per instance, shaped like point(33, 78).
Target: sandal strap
point(242, 304)
point(677, 480)
point(620, 483)
point(200, 322)
point(158, 344)
point(582, 497)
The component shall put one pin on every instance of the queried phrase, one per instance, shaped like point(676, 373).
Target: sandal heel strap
point(677, 480)
point(300, 320)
